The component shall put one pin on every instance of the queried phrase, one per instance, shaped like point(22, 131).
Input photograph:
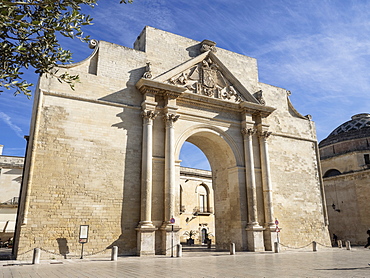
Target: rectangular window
point(367, 158)
point(201, 203)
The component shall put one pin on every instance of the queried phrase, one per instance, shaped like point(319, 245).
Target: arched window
point(331, 173)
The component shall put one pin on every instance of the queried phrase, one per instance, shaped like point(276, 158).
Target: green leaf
point(28, 39)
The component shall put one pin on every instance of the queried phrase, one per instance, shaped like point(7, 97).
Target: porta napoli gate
point(93, 160)
point(201, 102)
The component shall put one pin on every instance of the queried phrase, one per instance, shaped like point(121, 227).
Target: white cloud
point(7, 120)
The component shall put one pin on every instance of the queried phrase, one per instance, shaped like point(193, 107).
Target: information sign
point(84, 233)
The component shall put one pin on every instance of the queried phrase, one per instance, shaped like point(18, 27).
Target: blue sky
point(318, 49)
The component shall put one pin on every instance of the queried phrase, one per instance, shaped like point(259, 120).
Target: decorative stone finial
point(207, 45)
point(148, 71)
point(93, 44)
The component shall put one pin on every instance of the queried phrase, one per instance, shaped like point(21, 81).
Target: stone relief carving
point(206, 79)
point(148, 72)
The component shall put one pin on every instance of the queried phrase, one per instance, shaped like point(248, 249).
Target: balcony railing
point(202, 211)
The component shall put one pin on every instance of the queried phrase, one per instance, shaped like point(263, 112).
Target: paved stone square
point(326, 262)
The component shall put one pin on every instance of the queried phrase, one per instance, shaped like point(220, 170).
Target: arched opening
point(331, 173)
point(218, 195)
point(196, 196)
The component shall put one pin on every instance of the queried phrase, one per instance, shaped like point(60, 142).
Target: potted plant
point(191, 233)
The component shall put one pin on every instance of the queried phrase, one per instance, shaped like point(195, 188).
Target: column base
point(270, 236)
point(170, 239)
point(255, 241)
point(146, 239)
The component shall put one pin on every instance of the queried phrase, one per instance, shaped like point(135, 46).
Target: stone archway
point(228, 180)
point(221, 118)
point(229, 140)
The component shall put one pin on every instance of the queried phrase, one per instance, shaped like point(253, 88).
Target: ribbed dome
point(357, 127)
point(358, 121)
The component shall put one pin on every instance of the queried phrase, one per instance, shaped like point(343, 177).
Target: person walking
point(368, 239)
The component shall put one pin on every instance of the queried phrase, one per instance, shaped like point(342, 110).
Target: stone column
point(269, 225)
point(169, 164)
point(146, 229)
point(250, 176)
point(254, 230)
point(170, 239)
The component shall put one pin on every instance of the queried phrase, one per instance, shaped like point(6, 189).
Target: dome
point(358, 121)
point(357, 127)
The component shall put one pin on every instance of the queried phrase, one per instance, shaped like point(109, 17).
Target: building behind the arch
point(196, 205)
point(11, 168)
point(345, 160)
point(107, 154)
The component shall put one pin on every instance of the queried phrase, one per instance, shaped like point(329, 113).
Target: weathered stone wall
point(86, 154)
point(348, 217)
point(297, 196)
point(346, 146)
point(345, 163)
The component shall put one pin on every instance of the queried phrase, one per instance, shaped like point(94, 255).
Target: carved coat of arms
point(206, 79)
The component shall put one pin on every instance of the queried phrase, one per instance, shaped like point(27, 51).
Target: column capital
point(264, 134)
point(149, 114)
point(248, 131)
point(170, 119)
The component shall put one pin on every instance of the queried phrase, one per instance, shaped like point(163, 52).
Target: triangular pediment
point(206, 75)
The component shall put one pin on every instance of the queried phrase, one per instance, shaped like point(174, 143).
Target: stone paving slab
point(328, 262)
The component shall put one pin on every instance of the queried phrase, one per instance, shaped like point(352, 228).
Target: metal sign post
point(83, 238)
point(277, 230)
point(172, 221)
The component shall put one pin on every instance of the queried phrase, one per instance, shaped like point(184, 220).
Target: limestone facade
point(107, 154)
point(11, 168)
point(346, 172)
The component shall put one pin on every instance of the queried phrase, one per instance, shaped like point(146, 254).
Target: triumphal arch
point(106, 155)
